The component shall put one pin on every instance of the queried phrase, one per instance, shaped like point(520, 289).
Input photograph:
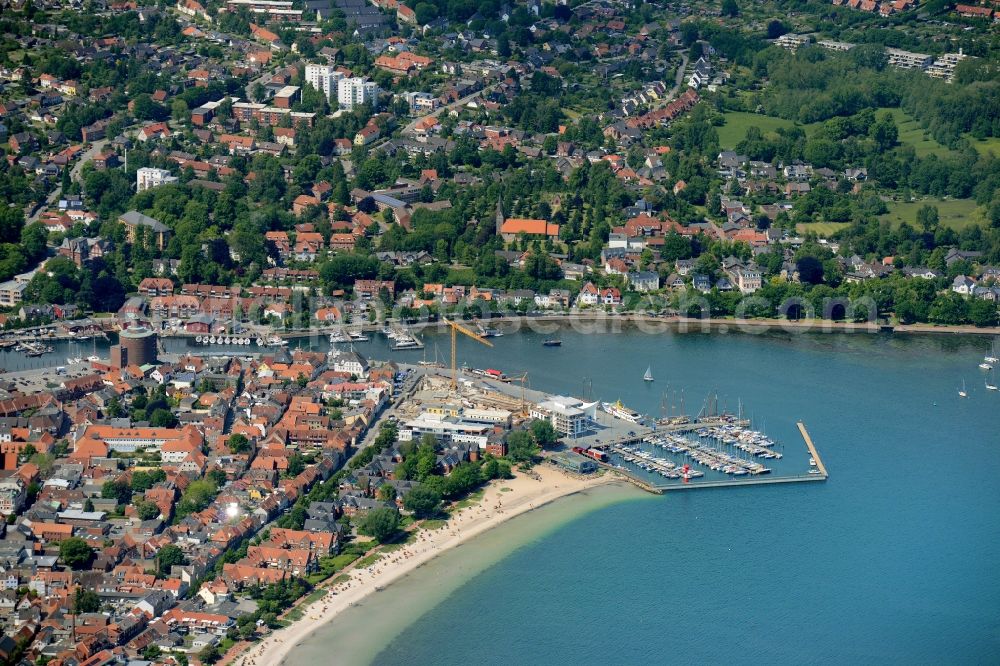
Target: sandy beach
point(502, 501)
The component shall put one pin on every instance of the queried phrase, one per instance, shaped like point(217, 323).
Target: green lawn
point(912, 134)
point(954, 213)
point(824, 229)
point(434, 524)
point(296, 613)
point(472, 498)
point(737, 123)
point(368, 561)
point(985, 146)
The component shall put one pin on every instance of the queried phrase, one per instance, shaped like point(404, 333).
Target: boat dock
point(692, 483)
point(812, 451)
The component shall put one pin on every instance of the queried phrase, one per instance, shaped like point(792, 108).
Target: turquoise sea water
point(894, 559)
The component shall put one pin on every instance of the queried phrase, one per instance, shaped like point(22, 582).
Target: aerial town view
point(499, 332)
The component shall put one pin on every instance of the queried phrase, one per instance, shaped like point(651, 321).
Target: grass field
point(910, 131)
point(823, 229)
point(986, 146)
point(953, 213)
point(737, 123)
point(912, 134)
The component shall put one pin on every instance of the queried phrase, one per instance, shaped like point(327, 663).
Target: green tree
point(425, 12)
point(33, 241)
point(198, 495)
point(217, 476)
point(948, 309)
point(545, 435)
point(927, 218)
point(872, 56)
point(730, 8)
point(75, 553)
point(810, 270)
point(296, 464)
point(179, 110)
point(163, 418)
point(983, 313)
point(143, 480)
point(426, 457)
point(424, 502)
point(884, 132)
point(168, 556)
point(146, 510)
point(144, 108)
point(86, 601)
point(521, 446)
point(381, 524)
point(238, 443)
point(209, 654)
point(496, 469)
point(503, 45)
point(387, 493)
point(119, 490)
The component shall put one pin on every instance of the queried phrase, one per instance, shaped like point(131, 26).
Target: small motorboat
point(552, 342)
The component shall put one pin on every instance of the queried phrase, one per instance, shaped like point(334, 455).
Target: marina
point(402, 339)
point(699, 455)
point(710, 450)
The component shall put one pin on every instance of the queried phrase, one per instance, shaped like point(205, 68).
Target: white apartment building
point(569, 416)
point(147, 178)
point(324, 78)
point(12, 293)
point(908, 59)
point(355, 92)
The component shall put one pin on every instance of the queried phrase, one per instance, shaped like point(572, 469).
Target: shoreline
point(503, 500)
point(602, 322)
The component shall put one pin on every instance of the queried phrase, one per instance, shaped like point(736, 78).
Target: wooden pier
point(812, 451)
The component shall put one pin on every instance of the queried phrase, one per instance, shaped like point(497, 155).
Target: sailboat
point(992, 356)
point(962, 392)
point(93, 358)
point(991, 383)
point(431, 364)
point(648, 377)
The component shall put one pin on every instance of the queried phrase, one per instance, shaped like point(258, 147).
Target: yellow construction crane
point(455, 329)
point(522, 379)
